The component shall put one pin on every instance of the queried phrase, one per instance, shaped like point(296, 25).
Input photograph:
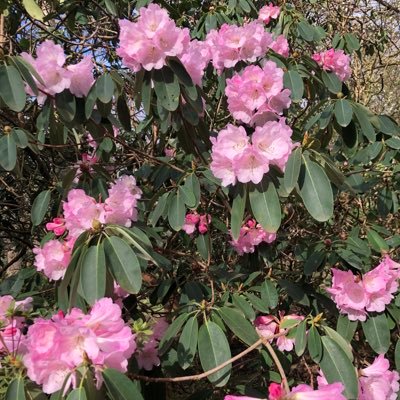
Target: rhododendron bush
point(195, 206)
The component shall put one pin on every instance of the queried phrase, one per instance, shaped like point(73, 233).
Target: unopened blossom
point(85, 165)
point(257, 90)
point(196, 222)
point(268, 326)
point(268, 12)
point(251, 235)
point(57, 346)
point(57, 226)
point(52, 259)
point(334, 61)
point(147, 42)
point(356, 295)
point(231, 44)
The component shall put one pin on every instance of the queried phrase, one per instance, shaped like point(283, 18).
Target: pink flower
point(120, 206)
point(251, 235)
point(57, 226)
point(81, 77)
point(250, 166)
point(280, 46)
point(154, 36)
point(275, 391)
point(53, 259)
point(191, 220)
point(378, 382)
point(205, 219)
point(334, 61)
point(56, 347)
point(195, 59)
point(268, 12)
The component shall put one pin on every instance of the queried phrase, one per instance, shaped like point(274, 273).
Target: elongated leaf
point(12, 88)
point(16, 390)
point(26, 71)
point(314, 344)
point(316, 190)
point(187, 345)
point(187, 195)
point(119, 386)
point(292, 170)
point(239, 325)
point(8, 152)
point(105, 88)
point(176, 211)
point(213, 351)
point(265, 205)
point(40, 206)
point(376, 241)
point(346, 328)
point(293, 81)
point(171, 333)
point(397, 355)
point(237, 213)
point(269, 294)
point(301, 338)
point(366, 127)
point(306, 31)
point(33, 9)
point(77, 394)
point(337, 367)
point(66, 105)
point(166, 86)
point(241, 303)
point(93, 274)
point(377, 333)
point(123, 264)
point(343, 112)
point(332, 82)
point(159, 209)
point(340, 340)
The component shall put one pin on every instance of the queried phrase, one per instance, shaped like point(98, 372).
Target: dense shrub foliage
point(193, 206)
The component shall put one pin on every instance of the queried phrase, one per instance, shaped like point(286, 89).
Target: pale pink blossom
point(147, 42)
point(250, 166)
point(52, 259)
point(334, 61)
point(195, 59)
point(251, 235)
point(280, 45)
point(268, 12)
point(81, 77)
point(57, 226)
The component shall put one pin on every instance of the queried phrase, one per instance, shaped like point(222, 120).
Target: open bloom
point(334, 61)
point(268, 12)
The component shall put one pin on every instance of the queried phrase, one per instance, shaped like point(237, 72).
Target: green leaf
point(239, 325)
point(293, 81)
point(105, 88)
point(166, 86)
point(377, 333)
point(352, 43)
point(343, 112)
point(237, 212)
point(292, 170)
point(301, 338)
point(180, 71)
point(269, 294)
point(203, 245)
point(314, 344)
point(119, 386)
point(245, 6)
point(213, 351)
point(16, 390)
point(123, 113)
point(146, 91)
point(40, 206)
point(111, 7)
point(26, 71)
point(306, 31)
point(12, 88)
point(186, 191)
point(93, 274)
point(340, 340)
point(337, 367)
point(159, 209)
point(192, 184)
point(316, 190)
point(257, 303)
point(171, 333)
point(241, 303)
point(20, 137)
point(376, 241)
point(265, 205)
point(332, 82)
point(346, 328)
point(77, 394)
point(366, 127)
point(187, 345)
point(176, 211)
point(8, 152)
point(314, 262)
point(397, 355)
point(123, 264)
point(66, 105)
point(33, 9)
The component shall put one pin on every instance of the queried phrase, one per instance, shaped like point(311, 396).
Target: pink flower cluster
point(378, 382)
point(49, 64)
point(195, 59)
point(267, 326)
point(251, 235)
point(57, 346)
point(147, 42)
point(356, 295)
point(147, 345)
point(235, 159)
point(334, 61)
point(12, 320)
point(300, 392)
point(80, 213)
point(194, 221)
point(268, 12)
point(257, 95)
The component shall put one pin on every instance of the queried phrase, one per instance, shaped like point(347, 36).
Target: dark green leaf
point(314, 344)
point(77, 394)
point(12, 88)
point(8, 152)
point(332, 82)
point(269, 294)
point(237, 213)
point(166, 86)
point(343, 112)
point(367, 128)
point(40, 206)
point(346, 328)
point(119, 386)
point(301, 338)
point(241, 303)
point(16, 390)
point(105, 88)
point(340, 340)
point(176, 211)
point(188, 343)
point(306, 31)
point(159, 209)
point(377, 333)
point(292, 170)
point(66, 105)
point(314, 262)
point(171, 332)
point(376, 241)
point(293, 81)
point(213, 351)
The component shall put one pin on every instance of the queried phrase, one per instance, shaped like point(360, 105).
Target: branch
point(388, 6)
